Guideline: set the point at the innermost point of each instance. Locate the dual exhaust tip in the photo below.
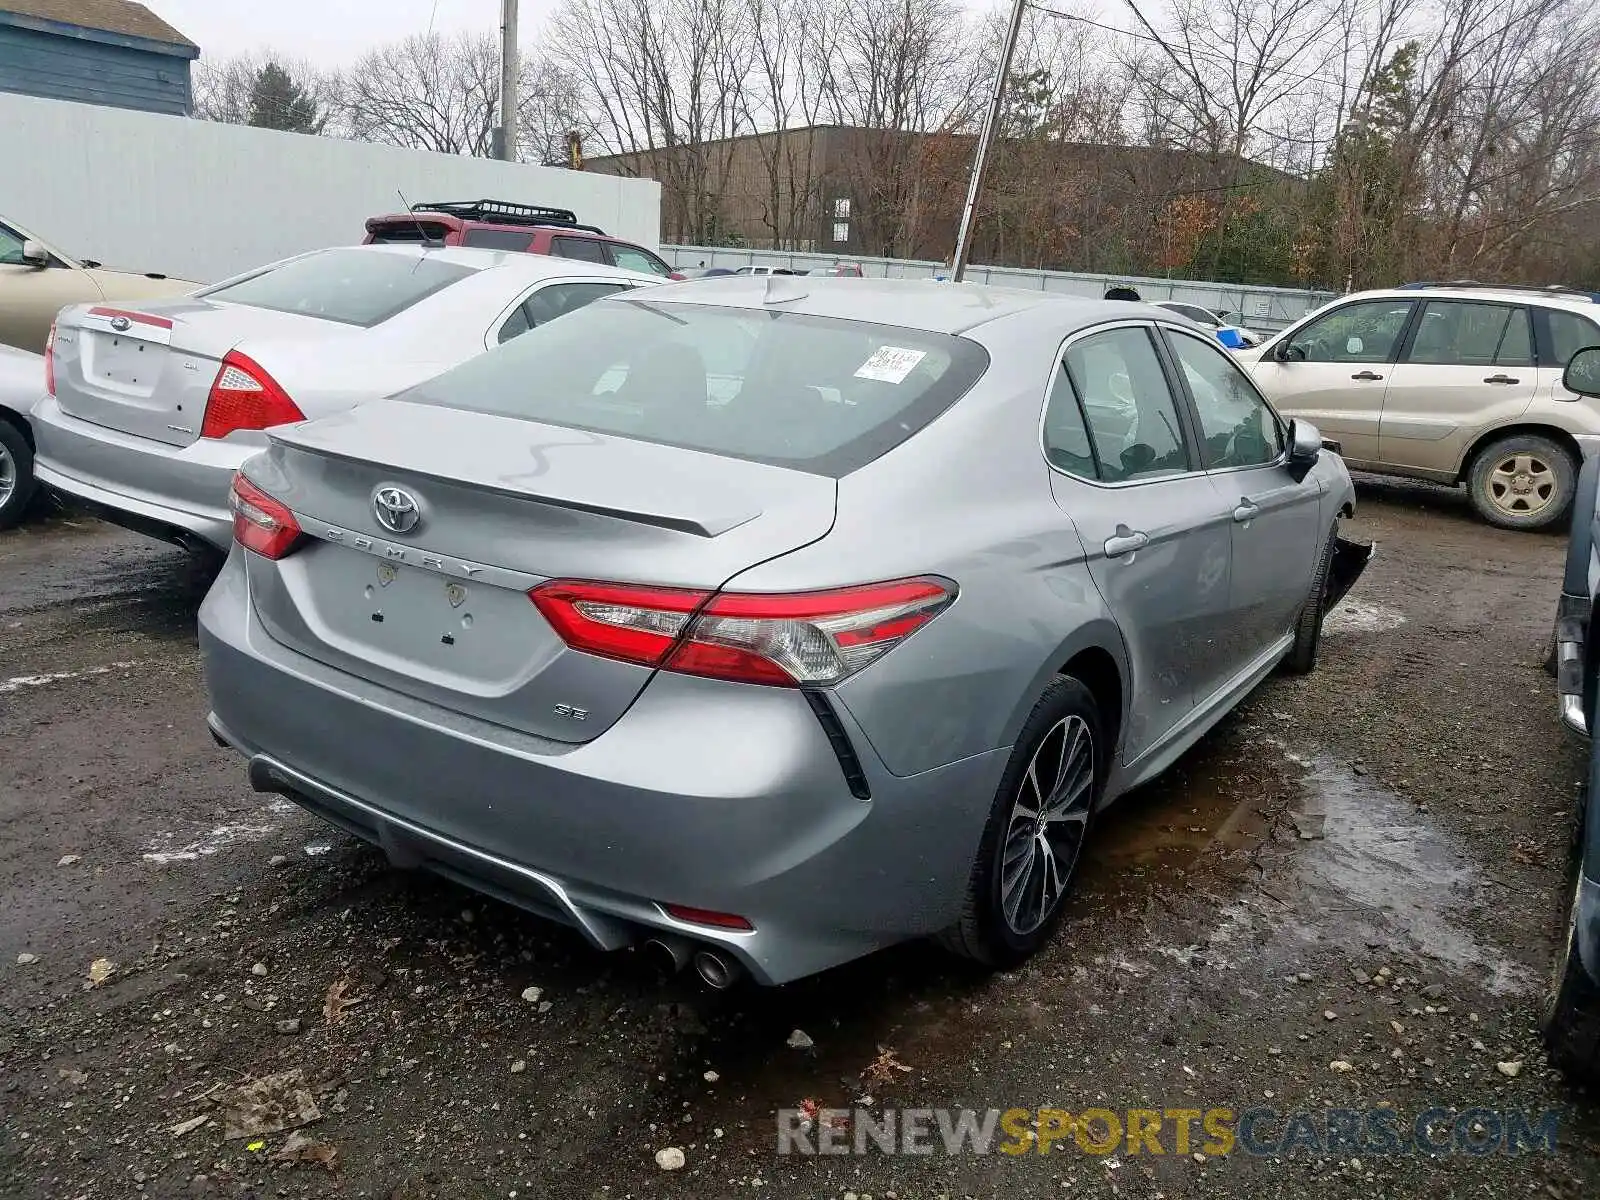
(716, 968)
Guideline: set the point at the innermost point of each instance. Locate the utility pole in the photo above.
(506, 142)
(991, 126)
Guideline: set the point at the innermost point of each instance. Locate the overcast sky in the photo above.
(328, 32)
(332, 32)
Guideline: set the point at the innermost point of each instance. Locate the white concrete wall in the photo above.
(202, 201)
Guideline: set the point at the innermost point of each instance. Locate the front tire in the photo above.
(1302, 656)
(1525, 481)
(16, 474)
(1039, 822)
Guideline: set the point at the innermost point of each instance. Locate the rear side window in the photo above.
(353, 287)
(1132, 418)
(496, 239)
(817, 394)
(1570, 333)
(582, 249)
(548, 303)
(1467, 333)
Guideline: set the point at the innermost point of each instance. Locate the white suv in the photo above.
(1456, 383)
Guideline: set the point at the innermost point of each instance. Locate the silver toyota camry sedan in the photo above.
(775, 620)
(149, 411)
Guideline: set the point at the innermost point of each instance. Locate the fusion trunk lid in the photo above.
(147, 369)
(424, 529)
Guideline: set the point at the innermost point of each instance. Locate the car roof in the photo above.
(1576, 301)
(517, 263)
(926, 304)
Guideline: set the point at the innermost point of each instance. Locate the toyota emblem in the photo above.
(397, 509)
(121, 324)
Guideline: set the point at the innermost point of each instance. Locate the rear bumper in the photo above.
(703, 794)
(175, 493)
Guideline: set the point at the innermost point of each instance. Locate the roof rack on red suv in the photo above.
(505, 212)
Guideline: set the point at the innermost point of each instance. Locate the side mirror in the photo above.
(1583, 372)
(1305, 443)
(1286, 351)
(34, 254)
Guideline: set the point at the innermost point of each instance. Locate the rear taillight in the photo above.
(260, 522)
(50, 361)
(244, 396)
(785, 640)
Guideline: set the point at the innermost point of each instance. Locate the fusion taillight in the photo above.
(244, 396)
(261, 522)
(50, 360)
(803, 639)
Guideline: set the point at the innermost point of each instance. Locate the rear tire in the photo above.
(1302, 656)
(1525, 481)
(16, 474)
(1026, 866)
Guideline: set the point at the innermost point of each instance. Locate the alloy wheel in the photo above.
(1045, 831)
(8, 474)
(1522, 484)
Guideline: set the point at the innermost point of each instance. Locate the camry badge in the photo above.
(396, 509)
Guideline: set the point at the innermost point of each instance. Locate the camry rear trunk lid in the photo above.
(147, 369)
(425, 528)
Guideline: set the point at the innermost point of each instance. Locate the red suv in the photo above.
(502, 225)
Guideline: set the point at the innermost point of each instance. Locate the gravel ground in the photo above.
(1344, 898)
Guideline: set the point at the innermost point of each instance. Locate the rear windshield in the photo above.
(818, 394)
(353, 287)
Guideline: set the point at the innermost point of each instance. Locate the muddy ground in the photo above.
(1361, 868)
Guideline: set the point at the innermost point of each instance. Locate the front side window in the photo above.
(817, 394)
(1467, 333)
(1132, 419)
(353, 287)
(631, 259)
(1237, 429)
(1364, 332)
(1570, 333)
(10, 248)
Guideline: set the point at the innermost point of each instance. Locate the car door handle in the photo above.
(1366, 375)
(1501, 379)
(1126, 541)
(1246, 511)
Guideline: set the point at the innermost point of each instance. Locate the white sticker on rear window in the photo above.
(890, 364)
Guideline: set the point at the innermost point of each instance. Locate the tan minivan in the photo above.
(37, 281)
(1455, 383)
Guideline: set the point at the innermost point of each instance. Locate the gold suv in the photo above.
(37, 281)
(1455, 383)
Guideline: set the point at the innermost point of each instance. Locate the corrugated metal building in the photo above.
(112, 52)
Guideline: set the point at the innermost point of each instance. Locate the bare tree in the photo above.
(668, 76)
(428, 92)
(226, 89)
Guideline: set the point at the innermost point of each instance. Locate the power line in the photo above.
(1198, 53)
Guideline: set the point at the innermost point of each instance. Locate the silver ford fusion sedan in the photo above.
(773, 620)
(149, 411)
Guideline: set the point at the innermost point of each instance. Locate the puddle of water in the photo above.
(1357, 616)
(1377, 861)
(168, 849)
